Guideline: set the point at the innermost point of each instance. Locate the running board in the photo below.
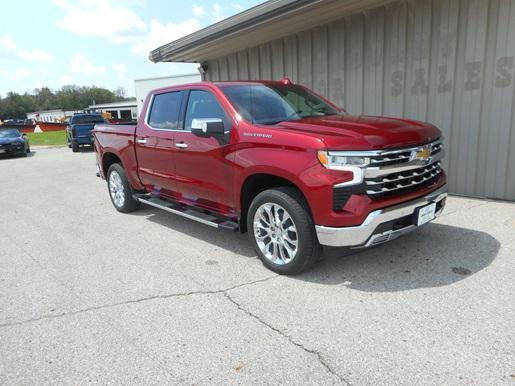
(204, 218)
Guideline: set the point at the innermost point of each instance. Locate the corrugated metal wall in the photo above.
(448, 62)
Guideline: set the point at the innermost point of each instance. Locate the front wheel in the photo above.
(75, 147)
(120, 190)
(282, 231)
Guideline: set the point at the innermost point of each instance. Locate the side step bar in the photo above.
(204, 218)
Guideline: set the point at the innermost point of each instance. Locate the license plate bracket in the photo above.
(425, 214)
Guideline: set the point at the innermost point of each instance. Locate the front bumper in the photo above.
(381, 225)
(11, 149)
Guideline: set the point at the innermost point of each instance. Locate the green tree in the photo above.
(66, 98)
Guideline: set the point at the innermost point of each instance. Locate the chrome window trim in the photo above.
(151, 102)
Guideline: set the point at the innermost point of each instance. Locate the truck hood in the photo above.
(362, 132)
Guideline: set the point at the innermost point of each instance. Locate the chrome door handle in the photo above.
(181, 145)
(141, 140)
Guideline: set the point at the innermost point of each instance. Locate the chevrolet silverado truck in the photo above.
(278, 161)
(78, 131)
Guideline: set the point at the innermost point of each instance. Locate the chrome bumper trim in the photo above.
(363, 235)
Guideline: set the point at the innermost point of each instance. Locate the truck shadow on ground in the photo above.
(433, 256)
(86, 149)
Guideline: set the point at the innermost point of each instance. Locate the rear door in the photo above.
(154, 142)
(202, 170)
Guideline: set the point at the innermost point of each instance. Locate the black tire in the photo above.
(68, 142)
(129, 203)
(308, 248)
(75, 147)
(28, 150)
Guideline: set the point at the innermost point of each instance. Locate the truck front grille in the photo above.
(394, 172)
(397, 172)
(402, 156)
(402, 182)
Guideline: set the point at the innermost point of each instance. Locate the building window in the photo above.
(114, 114)
(125, 115)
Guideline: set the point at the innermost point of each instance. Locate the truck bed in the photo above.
(120, 139)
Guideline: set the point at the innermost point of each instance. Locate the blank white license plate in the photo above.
(426, 214)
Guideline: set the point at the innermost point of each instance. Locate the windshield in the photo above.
(82, 119)
(269, 104)
(9, 133)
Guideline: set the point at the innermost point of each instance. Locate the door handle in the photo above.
(181, 145)
(141, 140)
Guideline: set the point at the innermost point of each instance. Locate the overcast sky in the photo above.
(96, 42)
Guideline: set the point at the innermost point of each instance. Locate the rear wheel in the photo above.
(282, 231)
(75, 147)
(120, 190)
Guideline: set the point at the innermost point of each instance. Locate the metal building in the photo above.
(448, 62)
(143, 86)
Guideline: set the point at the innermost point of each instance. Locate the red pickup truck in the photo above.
(276, 160)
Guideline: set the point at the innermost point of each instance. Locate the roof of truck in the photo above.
(284, 81)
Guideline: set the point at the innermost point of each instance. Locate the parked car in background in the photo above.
(276, 160)
(78, 131)
(16, 122)
(13, 142)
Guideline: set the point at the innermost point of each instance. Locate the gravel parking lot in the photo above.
(91, 295)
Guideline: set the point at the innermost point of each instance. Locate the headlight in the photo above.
(345, 161)
(341, 160)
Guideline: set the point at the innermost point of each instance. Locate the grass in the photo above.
(49, 138)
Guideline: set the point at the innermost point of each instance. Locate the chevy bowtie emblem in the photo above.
(421, 154)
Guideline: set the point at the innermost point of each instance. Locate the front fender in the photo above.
(301, 168)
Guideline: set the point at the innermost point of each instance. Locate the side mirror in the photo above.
(24, 135)
(213, 127)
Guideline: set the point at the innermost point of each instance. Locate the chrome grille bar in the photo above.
(395, 171)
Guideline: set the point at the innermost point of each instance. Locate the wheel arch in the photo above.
(109, 158)
(259, 182)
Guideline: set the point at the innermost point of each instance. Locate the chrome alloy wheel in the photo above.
(116, 189)
(275, 233)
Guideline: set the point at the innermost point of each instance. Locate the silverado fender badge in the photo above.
(259, 135)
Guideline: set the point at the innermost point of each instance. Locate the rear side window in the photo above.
(84, 119)
(203, 105)
(164, 112)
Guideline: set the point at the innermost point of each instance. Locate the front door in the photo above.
(155, 142)
(202, 173)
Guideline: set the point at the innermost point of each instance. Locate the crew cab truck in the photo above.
(80, 126)
(274, 159)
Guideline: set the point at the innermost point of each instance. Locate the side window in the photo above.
(203, 105)
(164, 112)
